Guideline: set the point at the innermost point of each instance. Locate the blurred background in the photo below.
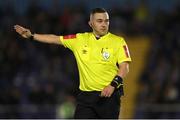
(39, 80)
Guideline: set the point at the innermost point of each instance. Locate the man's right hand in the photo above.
(26, 33)
(45, 38)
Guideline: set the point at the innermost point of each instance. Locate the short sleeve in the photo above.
(123, 53)
(69, 41)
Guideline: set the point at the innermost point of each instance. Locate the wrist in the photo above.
(114, 84)
(31, 37)
(117, 81)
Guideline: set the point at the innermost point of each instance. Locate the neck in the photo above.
(98, 36)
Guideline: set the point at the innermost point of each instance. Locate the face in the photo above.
(99, 22)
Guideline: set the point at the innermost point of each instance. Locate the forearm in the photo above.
(123, 69)
(117, 82)
(47, 38)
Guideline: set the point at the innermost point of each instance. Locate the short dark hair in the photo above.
(98, 10)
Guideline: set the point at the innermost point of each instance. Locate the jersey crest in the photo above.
(106, 55)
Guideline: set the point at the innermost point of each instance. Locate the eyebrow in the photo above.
(102, 19)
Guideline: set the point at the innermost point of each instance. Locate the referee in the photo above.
(103, 61)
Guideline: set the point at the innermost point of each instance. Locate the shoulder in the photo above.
(85, 34)
(117, 38)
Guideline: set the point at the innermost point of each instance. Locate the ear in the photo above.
(90, 24)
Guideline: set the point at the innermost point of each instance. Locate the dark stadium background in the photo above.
(38, 80)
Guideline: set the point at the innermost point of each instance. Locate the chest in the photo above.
(103, 51)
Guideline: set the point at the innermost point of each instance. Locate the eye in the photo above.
(99, 20)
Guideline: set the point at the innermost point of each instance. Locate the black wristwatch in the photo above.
(31, 37)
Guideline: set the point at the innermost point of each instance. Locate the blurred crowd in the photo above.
(159, 92)
(39, 80)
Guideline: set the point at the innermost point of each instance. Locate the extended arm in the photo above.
(46, 38)
(122, 72)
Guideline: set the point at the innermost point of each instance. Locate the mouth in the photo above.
(103, 29)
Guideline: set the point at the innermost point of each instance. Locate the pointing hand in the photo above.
(25, 33)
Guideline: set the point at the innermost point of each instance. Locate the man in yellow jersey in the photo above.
(103, 61)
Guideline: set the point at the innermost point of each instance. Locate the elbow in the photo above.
(127, 68)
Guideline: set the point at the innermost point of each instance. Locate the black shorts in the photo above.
(92, 105)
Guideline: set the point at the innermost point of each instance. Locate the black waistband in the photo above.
(93, 92)
(90, 92)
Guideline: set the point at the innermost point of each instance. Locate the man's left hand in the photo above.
(107, 91)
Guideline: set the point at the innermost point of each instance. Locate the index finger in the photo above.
(18, 27)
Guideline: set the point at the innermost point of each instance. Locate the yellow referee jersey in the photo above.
(96, 59)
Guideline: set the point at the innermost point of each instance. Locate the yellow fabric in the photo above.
(96, 59)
